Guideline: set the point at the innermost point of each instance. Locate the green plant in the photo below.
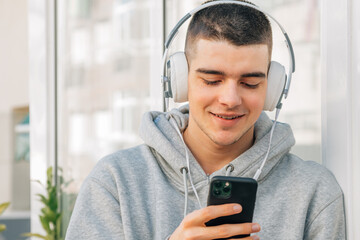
(50, 217)
(3, 206)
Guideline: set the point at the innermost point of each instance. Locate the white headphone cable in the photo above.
(258, 172)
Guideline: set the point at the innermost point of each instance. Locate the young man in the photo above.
(139, 193)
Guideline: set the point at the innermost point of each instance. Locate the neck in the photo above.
(212, 156)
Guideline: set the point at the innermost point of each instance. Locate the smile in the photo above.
(227, 117)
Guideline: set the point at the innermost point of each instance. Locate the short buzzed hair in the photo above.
(234, 23)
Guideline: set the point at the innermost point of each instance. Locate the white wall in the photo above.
(13, 80)
(340, 34)
(13, 54)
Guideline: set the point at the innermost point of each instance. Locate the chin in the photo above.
(225, 141)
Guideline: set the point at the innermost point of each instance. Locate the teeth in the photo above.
(227, 118)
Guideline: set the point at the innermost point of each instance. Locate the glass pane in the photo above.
(302, 108)
(106, 52)
(175, 10)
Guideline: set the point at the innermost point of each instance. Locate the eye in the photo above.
(212, 82)
(251, 86)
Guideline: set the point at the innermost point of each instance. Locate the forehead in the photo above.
(192, 43)
(222, 54)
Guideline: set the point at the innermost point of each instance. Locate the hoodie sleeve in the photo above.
(96, 214)
(329, 223)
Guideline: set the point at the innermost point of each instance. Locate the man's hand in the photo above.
(193, 225)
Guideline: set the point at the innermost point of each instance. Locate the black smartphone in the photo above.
(233, 190)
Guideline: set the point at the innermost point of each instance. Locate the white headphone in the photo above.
(175, 70)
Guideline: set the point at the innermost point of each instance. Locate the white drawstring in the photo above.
(173, 122)
(184, 172)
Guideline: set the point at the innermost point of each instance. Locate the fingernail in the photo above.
(255, 237)
(255, 227)
(237, 208)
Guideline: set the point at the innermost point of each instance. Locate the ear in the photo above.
(275, 87)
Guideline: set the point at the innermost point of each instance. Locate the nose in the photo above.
(229, 95)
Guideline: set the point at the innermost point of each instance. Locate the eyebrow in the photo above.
(208, 71)
(216, 72)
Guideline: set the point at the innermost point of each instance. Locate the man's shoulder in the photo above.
(123, 162)
(311, 174)
(124, 155)
(307, 167)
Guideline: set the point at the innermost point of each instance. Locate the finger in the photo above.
(200, 217)
(254, 237)
(229, 230)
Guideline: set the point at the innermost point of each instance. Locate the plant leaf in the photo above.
(58, 227)
(45, 224)
(49, 174)
(4, 206)
(66, 184)
(2, 227)
(53, 203)
(50, 217)
(34, 235)
(49, 214)
(38, 181)
(43, 199)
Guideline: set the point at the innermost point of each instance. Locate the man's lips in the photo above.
(227, 116)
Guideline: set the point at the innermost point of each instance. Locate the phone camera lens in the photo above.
(217, 192)
(226, 189)
(218, 184)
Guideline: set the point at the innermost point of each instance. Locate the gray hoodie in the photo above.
(138, 193)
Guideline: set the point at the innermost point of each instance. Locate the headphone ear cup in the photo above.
(275, 86)
(178, 72)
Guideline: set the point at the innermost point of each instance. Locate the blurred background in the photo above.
(77, 75)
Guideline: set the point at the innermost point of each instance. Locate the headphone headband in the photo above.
(174, 31)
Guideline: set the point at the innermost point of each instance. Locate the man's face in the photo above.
(227, 90)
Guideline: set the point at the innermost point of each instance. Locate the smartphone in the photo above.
(233, 190)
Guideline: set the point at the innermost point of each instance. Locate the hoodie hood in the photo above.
(157, 132)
